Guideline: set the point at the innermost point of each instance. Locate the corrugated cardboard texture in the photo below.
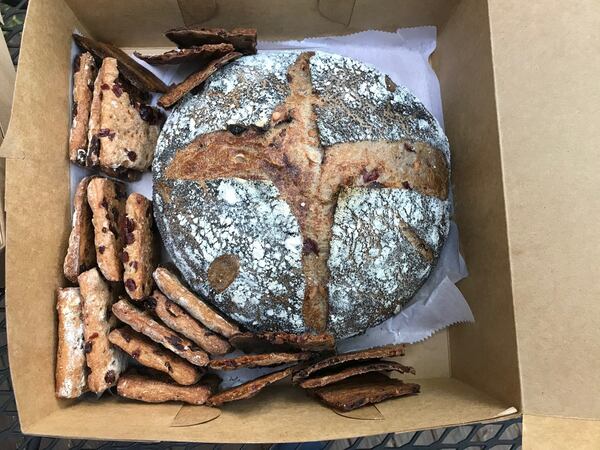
(549, 110)
(551, 433)
(484, 353)
(278, 414)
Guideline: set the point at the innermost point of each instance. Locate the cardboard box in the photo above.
(524, 164)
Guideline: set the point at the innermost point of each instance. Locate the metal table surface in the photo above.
(498, 436)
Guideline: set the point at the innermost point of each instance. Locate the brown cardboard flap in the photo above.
(278, 414)
(483, 353)
(368, 412)
(42, 85)
(548, 101)
(553, 433)
(35, 242)
(190, 415)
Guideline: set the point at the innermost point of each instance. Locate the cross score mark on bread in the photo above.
(310, 177)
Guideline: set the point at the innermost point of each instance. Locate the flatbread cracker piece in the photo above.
(387, 351)
(361, 390)
(274, 341)
(200, 55)
(249, 389)
(336, 374)
(260, 360)
(176, 93)
(138, 75)
(242, 39)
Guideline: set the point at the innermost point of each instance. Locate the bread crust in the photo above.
(138, 254)
(81, 252)
(107, 202)
(175, 317)
(141, 322)
(154, 356)
(106, 362)
(71, 369)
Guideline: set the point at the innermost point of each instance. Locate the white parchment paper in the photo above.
(404, 56)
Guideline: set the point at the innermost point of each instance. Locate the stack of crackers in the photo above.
(126, 322)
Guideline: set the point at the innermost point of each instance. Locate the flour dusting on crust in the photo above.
(375, 266)
(375, 270)
(249, 220)
(244, 92)
(360, 104)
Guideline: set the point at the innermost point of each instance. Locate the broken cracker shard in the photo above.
(362, 390)
(139, 76)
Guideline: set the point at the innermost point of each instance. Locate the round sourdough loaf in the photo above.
(302, 191)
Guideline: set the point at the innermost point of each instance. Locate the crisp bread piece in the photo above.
(176, 93)
(249, 389)
(151, 354)
(138, 255)
(81, 253)
(178, 320)
(199, 55)
(139, 76)
(84, 74)
(243, 39)
(106, 362)
(272, 341)
(336, 374)
(123, 130)
(143, 323)
(145, 389)
(106, 200)
(175, 291)
(361, 390)
(387, 351)
(70, 356)
(258, 360)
